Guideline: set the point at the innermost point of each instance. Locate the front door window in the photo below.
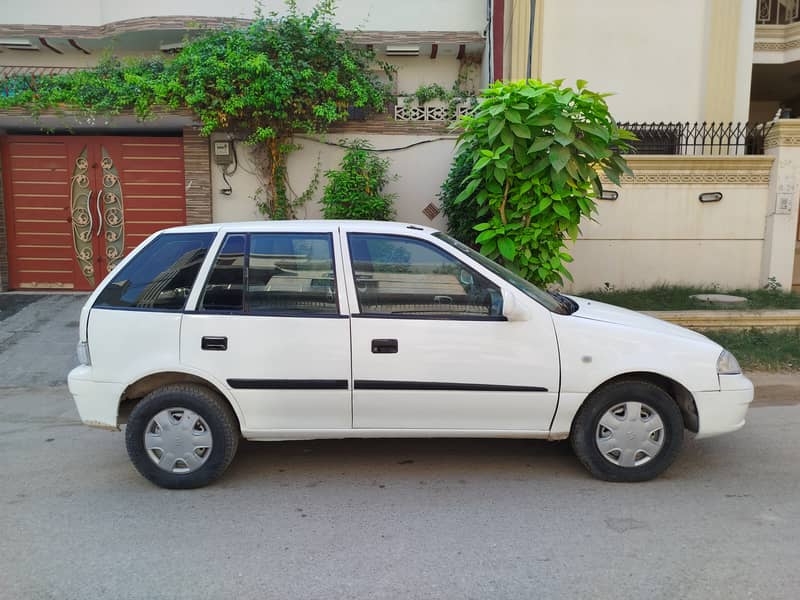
(409, 277)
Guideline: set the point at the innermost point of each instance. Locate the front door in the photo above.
(269, 326)
(77, 204)
(431, 349)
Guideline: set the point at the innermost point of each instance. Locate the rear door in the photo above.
(270, 325)
(431, 349)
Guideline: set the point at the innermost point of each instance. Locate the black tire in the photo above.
(216, 413)
(586, 423)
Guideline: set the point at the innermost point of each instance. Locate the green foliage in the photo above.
(277, 76)
(464, 215)
(355, 191)
(434, 91)
(535, 150)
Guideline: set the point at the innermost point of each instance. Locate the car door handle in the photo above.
(214, 343)
(384, 346)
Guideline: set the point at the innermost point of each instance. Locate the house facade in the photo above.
(78, 193)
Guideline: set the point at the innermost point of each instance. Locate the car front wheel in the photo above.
(182, 436)
(627, 431)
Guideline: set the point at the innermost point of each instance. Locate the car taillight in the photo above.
(83, 353)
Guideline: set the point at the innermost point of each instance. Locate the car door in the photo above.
(268, 324)
(431, 349)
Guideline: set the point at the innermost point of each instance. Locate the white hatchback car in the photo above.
(326, 329)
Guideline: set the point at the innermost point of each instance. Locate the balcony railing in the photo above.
(777, 12)
(702, 139)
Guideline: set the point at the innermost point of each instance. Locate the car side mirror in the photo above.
(513, 310)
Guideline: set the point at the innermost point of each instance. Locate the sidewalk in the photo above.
(775, 389)
(730, 319)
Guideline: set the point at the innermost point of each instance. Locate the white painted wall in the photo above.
(662, 234)
(420, 171)
(409, 15)
(651, 55)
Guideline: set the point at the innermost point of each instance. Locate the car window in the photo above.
(291, 273)
(160, 276)
(224, 288)
(400, 276)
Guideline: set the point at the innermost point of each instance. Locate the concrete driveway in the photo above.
(378, 518)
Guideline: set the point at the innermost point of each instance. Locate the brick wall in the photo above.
(3, 238)
(197, 171)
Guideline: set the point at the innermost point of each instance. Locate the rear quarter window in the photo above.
(159, 277)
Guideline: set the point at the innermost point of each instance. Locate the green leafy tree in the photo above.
(535, 151)
(355, 190)
(278, 76)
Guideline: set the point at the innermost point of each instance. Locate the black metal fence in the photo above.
(727, 139)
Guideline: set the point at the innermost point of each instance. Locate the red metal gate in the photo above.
(75, 205)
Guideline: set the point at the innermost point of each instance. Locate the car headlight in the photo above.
(83, 353)
(727, 364)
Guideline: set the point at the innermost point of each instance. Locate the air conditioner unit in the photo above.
(402, 50)
(17, 44)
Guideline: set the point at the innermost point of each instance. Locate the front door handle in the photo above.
(214, 343)
(384, 346)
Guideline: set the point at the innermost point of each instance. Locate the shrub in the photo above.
(535, 150)
(355, 190)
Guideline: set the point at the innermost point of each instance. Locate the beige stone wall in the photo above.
(677, 60)
(658, 231)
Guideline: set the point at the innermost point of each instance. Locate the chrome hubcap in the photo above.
(178, 440)
(630, 434)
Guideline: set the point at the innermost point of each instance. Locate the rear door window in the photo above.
(290, 274)
(159, 277)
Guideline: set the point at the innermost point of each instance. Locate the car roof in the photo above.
(308, 225)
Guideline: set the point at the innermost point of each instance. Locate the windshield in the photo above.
(547, 300)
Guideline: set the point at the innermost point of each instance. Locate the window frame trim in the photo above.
(245, 312)
(409, 316)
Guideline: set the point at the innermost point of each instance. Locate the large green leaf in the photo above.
(562, 123)
(495, 127)
(507, 248)
(512, 116)
(594, 129)
(540, 143)
(559, 156)
(521, 131)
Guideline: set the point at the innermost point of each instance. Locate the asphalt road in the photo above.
(379, 518)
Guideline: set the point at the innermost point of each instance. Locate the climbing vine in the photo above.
(280, 75)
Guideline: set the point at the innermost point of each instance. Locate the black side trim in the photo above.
(408, 316)
(367, 384)
(288, 384)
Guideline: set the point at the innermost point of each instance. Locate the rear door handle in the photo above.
(214, 343)
(384, 346)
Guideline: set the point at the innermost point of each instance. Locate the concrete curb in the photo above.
(730, 319)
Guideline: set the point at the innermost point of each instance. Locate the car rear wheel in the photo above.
(628, 431)
(182, 436)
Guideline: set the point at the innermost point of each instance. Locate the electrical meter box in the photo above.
(223, 154)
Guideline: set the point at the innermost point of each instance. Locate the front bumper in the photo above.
(724, 411)
(97, 402)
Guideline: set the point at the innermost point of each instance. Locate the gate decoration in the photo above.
(111, 212)
(82, 225)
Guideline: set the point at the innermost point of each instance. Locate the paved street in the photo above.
(381, 518)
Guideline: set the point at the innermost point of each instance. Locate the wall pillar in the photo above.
(780, 235)
(197, 171)
(3, 238)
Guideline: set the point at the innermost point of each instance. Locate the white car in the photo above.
(334, 329)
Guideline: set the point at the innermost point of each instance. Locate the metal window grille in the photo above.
(778, 12)
(729, 139)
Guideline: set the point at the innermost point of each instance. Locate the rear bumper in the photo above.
(97, 402)
(724, 411)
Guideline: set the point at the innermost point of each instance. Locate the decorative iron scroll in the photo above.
(82, 225)
(111, 211)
